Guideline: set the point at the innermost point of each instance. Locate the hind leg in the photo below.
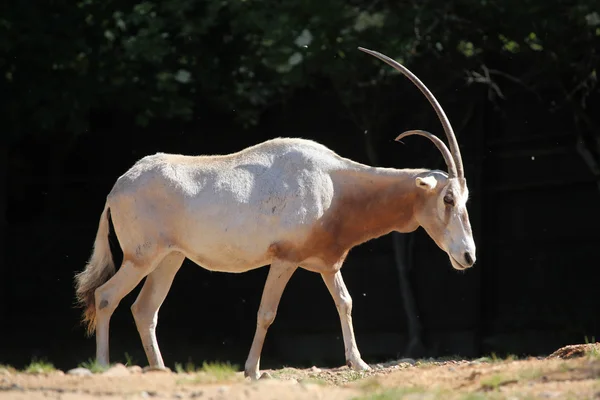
(146, 306)
(110, 294)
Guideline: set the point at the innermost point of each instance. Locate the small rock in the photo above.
(550, 394)
(178, 395)
(135, 369)
(148, 394)
(117, 370)
(79, 372)
(315, 369)
(14, 386)
(222, 389)
(266, 375)
(196, 394)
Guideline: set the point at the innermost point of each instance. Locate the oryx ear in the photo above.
(426, 182)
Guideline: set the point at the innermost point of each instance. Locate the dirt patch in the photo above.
(571, 372)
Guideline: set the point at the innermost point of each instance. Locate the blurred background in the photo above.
(90, 86)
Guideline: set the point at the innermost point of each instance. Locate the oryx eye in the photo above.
(449, 200)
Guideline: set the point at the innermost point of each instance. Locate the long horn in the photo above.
(438, 143)
(454, 150)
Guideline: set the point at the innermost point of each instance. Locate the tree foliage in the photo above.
(181, 58)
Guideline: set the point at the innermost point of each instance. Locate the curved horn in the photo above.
(454, 150)
(439, 144)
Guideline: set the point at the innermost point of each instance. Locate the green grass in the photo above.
(493, 358)
(351, 375)
(594, 352)
(493, 382)
(591, 340)
(425, 363)
(129, 361)
(474, 396)
(39, 367)
(565, 367)
(370, 384)
(594, 348)
(391, 394)
(530, 374)
(95, 368)
(285, 372)
(209, 372)
(221, 371)
(421, 393)
(93, 365)
(314, 380)
(189, 368)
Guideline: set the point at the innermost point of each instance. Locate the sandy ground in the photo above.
(570, 373)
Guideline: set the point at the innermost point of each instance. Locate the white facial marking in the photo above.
(457, 239)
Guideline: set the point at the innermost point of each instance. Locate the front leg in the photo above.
(343, 302)
(279, 274)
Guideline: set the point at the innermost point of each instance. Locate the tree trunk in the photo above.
(589, 150)
(403, 246)
(588, 139)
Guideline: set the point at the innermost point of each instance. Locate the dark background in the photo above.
(90, 88)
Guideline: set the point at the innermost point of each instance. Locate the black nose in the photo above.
(468, 258)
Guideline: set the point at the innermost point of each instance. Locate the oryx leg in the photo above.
(110, 294)
(280, 273)
(146, 306)
(343, 302)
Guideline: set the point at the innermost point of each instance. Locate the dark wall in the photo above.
(542, 233)
(535, 221)
(3, 229)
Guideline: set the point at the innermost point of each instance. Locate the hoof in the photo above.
(155, 369)
(358, 365)
(253, 375)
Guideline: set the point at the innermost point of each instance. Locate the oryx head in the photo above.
(442, 211)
